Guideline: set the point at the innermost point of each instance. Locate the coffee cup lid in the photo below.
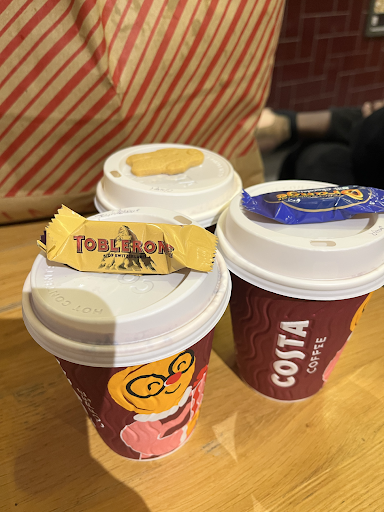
(115, 320)
(325, 261)
(202, 192)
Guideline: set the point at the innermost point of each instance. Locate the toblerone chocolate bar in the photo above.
(126, 247)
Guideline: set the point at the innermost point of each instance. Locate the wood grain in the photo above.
(247, 453)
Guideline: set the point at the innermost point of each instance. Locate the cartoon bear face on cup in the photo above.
(153, 387)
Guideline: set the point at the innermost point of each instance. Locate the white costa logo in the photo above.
(284, 367)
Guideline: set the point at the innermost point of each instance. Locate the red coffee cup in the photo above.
(134, 348)
(298, 292)
(286, 348)
(148, 410)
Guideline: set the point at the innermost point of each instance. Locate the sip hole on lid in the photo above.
(323, 243)
(183, 220)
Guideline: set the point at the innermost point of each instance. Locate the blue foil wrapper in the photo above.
(316, 205)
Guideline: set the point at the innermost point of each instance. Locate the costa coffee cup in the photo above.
(298, 291)
(135, 349)
(201, 193)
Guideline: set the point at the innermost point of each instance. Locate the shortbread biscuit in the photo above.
(165, 161)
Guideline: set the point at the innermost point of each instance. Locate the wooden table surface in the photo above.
(248, 453)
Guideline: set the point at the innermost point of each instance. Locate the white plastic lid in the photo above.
(202, 192)
(327, 261)
(115, 320)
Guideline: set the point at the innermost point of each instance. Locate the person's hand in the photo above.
(272, 130)
(370, 106)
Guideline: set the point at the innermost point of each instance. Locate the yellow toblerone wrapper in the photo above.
(126, 247)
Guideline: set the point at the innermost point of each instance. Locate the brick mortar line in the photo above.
(324, 14)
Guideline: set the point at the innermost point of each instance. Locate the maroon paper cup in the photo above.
(298, 291)
(135, 349)
(286, 348)
(145, 411)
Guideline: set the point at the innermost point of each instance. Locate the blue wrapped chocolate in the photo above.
(316, 204)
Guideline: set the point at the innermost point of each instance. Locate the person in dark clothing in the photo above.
(344, 146)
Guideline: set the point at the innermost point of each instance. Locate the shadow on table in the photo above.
(47, 436)
(57, 472)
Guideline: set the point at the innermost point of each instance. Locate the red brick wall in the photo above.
(323, 57)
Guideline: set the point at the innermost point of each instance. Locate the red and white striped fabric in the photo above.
(81, 79)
